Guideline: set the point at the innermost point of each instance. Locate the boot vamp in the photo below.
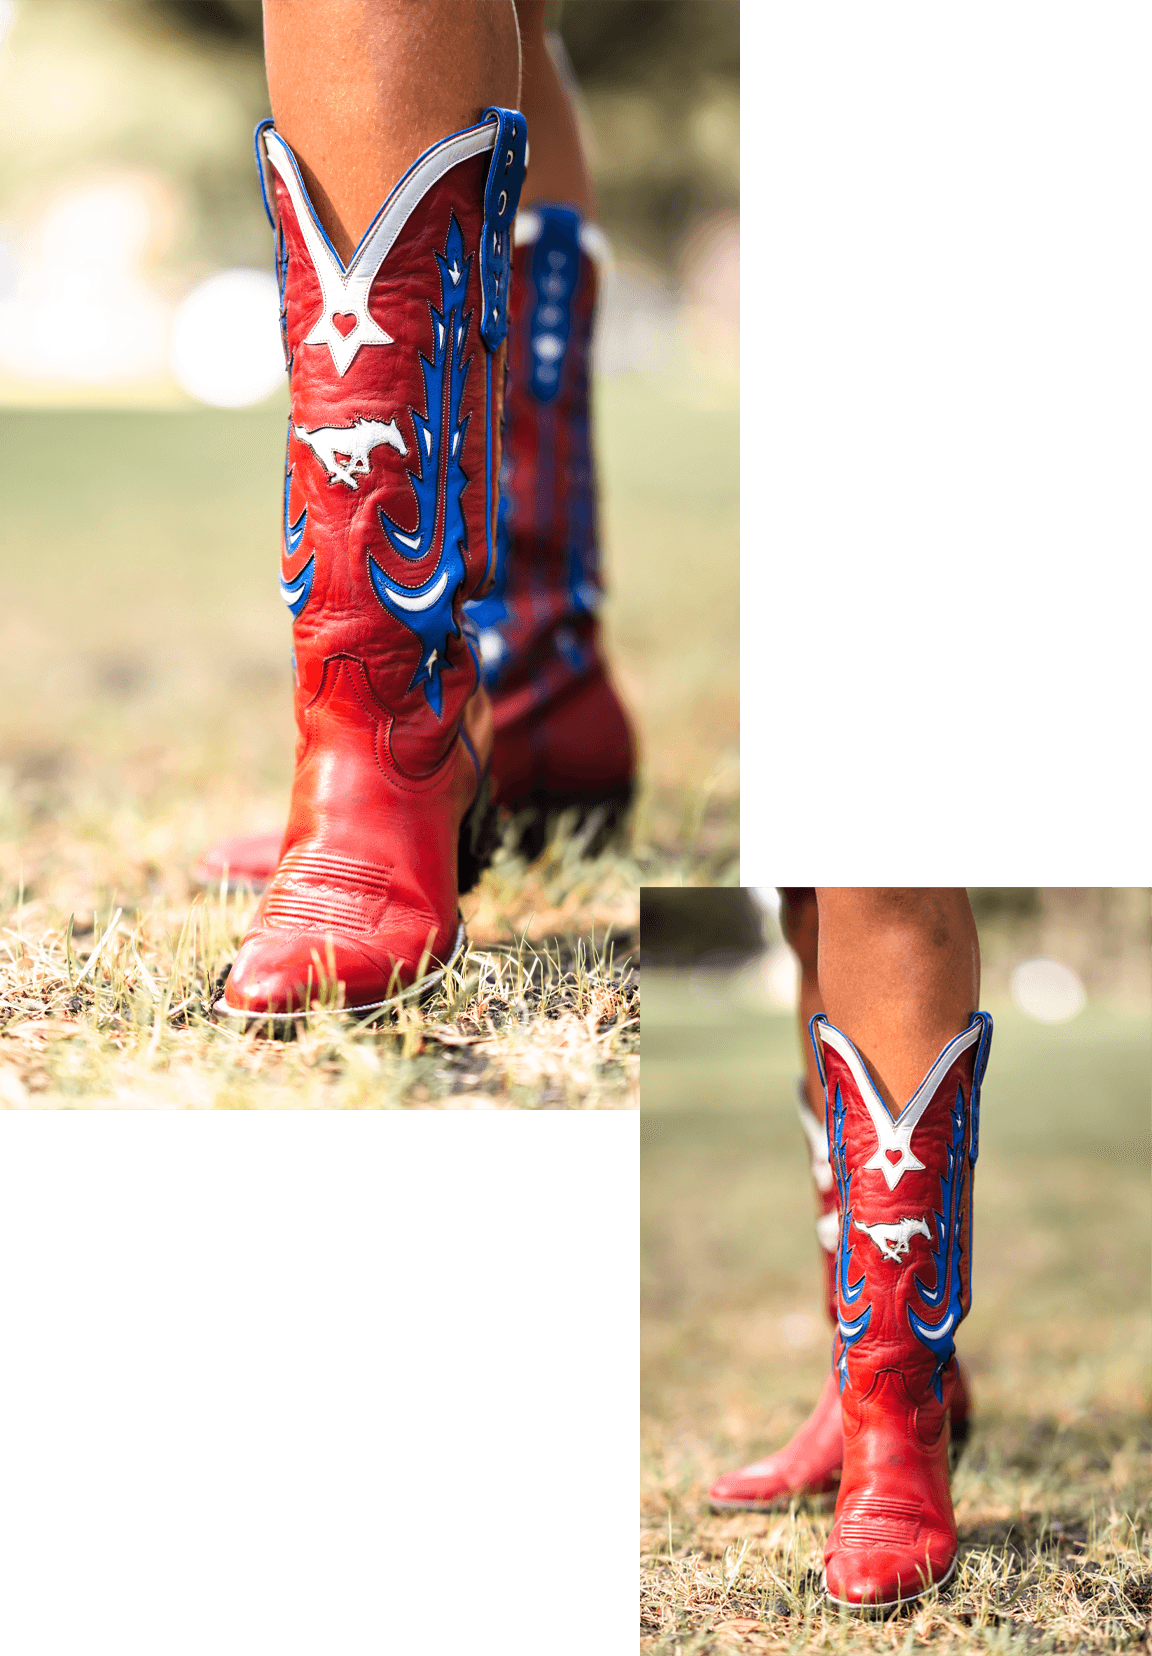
(886, 1554)
(894, 1531)
(365, 890)
(290, 971)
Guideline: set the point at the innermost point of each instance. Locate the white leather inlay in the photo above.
(896, 1135)
(594, 244)
(345, 288)
(817, 1136)
(406, 601)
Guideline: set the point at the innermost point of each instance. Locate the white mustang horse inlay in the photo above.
(893, 1240)
(355, 442)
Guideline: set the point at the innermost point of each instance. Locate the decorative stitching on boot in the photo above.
(318, 891)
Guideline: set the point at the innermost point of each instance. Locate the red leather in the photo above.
(809, 1464)
(579, 745)
(561, 729)
(904, 1258)
(365, 887)
(242, 859)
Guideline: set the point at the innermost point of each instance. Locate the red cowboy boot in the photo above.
(396, 366)
(903, 1284)
(809, 1464)
(562, 738)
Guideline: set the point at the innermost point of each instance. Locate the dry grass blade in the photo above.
(517, 1023)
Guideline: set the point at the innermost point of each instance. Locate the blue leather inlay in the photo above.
(428, 610)
(555, 273)
(501, 199)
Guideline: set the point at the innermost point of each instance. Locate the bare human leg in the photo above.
(899, 973)
(360, 88)
(558, 169)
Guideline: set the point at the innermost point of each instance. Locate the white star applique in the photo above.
(895, 1136)
(345, 289)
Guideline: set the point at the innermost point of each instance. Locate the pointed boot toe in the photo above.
(280, 973)
(883, 1553)
(770, 1483)
(809, 1464)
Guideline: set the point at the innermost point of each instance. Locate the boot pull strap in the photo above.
(501, 199)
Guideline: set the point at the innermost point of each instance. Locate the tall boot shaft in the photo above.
(396, 370)
(904, 1186)
(561, 731)
(827, 1217)
(903, 1268)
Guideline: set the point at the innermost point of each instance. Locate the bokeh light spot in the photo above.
(226, 348)
(1048, 990)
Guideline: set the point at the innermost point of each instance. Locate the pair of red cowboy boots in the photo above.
(896, 1225)
(446, 647)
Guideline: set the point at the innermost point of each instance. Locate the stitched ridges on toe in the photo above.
(319, 868)
(316, 891)
(878, 1522)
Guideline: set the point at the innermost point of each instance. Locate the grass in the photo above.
(128, 1021)
(1053, 1492)
(145, 710)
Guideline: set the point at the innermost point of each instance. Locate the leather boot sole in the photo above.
(871, 1606)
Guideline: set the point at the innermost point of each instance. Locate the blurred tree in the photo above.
(661, 82)
(679, 925)
(651, 42)
(233, 20)
(174, 87)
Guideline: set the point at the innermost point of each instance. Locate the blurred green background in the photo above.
(175, 87)
(735, 1341)
(144, 681)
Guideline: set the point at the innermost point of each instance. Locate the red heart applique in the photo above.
(893, 1156)
(344, 322)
